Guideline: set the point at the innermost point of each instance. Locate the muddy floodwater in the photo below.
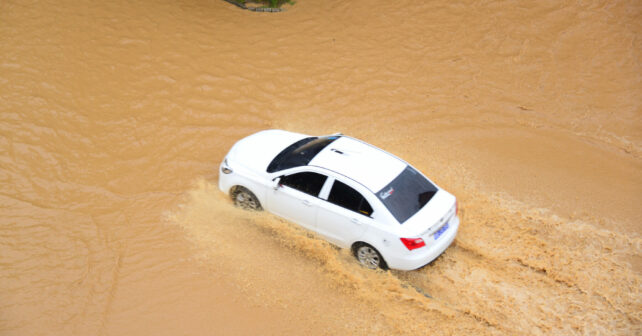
(114, 116)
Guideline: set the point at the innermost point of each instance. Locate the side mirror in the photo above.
(276, 183)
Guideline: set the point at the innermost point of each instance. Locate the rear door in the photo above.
(345, 216)
(296, 198)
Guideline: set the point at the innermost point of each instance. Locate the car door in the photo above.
(296, 197)
(345, 216)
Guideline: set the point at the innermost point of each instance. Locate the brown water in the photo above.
(115, 115)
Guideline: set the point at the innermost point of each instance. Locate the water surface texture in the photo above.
(114, 116)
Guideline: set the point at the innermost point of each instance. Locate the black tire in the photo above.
(245, 199)
(368, 256)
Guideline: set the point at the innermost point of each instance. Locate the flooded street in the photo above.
(114, 117)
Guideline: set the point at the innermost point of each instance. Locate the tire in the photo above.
(369, 257)
(245, 199)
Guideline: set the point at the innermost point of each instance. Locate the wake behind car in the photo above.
(353, 194)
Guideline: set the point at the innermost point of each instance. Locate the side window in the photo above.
(307, 182)
(344, 196)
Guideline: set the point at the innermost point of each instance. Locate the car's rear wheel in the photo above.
(245, 199)
(369, 257)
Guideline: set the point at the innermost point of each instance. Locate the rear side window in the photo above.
(307, 182)
(344, 196)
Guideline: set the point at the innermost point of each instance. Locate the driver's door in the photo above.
(296, 197)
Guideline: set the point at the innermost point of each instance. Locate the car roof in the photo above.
(362, 162)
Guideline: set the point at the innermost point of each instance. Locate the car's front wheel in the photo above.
(369, 257)
(245, 199)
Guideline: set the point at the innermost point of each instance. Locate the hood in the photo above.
(256, 151)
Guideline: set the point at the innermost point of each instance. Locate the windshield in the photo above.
(300, 153)
(407, 194)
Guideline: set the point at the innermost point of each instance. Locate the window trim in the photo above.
(379, 212)
(325, 191)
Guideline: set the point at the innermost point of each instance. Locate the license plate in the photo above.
(441, 231)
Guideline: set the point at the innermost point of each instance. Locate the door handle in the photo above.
(307, 203)
(355, 221)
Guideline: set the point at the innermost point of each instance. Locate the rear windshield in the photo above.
(300, 153)
(407, 194)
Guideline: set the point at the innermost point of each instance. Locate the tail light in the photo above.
(413, 243)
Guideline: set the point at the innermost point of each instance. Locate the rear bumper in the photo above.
(425, 255)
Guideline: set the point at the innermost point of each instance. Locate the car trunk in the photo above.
(438, 211)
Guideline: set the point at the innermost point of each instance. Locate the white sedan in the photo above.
(351, 193)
